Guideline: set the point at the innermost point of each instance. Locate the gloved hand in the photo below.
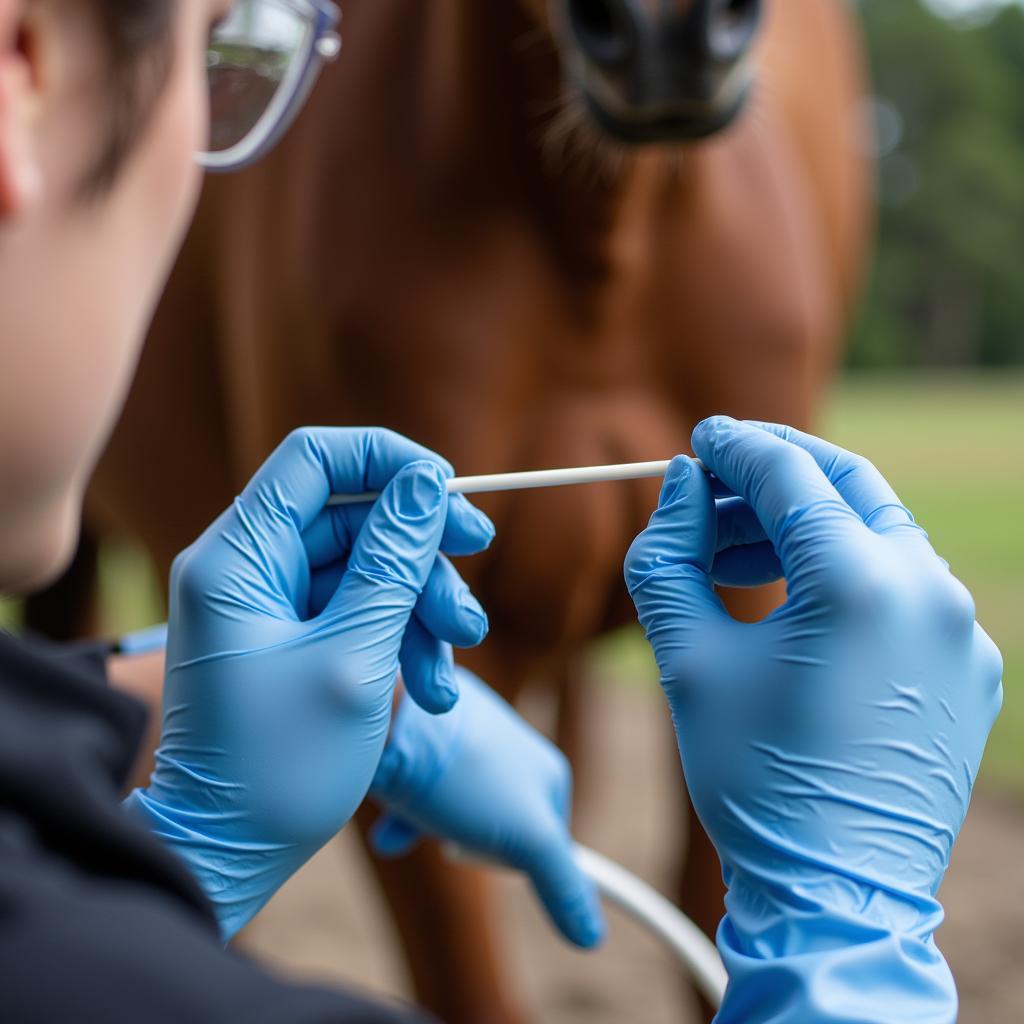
(829, 750)
(287, 625)
(482, 778)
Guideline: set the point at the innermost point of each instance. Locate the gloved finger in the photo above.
(392, 557)
(428, 669)
(744, 555)
(748, 565)
(448, 609)
(668, 566)
(291, 488)
(801, 512)
(391, 836)
(567, 894)
(738, 524)
(330, 536)
(861, 485)
(718, 488)
(322, 585)
(467, 530)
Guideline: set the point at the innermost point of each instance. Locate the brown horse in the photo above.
(527, 241)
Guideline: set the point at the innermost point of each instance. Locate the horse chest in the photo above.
(474, 342)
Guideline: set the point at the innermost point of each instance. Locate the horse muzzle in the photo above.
(662, 70)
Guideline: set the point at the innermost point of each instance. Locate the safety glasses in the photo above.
(262, 60)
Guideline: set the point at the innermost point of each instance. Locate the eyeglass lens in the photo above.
(251, 54)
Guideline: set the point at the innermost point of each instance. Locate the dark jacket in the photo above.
(98, 922)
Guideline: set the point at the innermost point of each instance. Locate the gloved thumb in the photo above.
(668, 567)
(393, 552)
(568, 895)
(393, 837)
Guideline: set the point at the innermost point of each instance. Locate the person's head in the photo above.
(103, 107)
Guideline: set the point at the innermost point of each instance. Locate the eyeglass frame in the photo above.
(323, 47)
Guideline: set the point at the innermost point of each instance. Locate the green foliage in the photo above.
(948, 283)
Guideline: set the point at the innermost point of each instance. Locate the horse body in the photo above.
(416, 254)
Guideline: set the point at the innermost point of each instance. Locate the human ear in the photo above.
(20, 179)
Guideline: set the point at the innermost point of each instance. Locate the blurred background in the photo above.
(933, 387)
(933, 392)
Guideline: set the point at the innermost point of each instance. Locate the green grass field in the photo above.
(954, 449)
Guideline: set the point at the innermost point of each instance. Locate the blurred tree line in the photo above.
(948, 282)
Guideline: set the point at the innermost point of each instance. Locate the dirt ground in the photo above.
(328, 923)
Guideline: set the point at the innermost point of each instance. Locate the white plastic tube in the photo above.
(534, 478)
(643, 903)
(646, 905)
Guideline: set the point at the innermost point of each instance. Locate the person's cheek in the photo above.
(182, 131)
(74, 369)
(145, 219)
(161, 191)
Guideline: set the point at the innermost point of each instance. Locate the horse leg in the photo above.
(446, 918)
(447, 914)
(572, 728)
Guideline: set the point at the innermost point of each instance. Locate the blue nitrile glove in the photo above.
(482, 778)
(278, 691)
(830, 750)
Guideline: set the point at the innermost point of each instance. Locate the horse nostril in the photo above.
(603, 29)
(730, 27)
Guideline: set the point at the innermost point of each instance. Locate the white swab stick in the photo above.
(535, 478)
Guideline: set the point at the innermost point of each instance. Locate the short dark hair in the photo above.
(138, 37)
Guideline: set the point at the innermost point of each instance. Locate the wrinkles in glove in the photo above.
(288, 623)
(830, 750)
(483, 779)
